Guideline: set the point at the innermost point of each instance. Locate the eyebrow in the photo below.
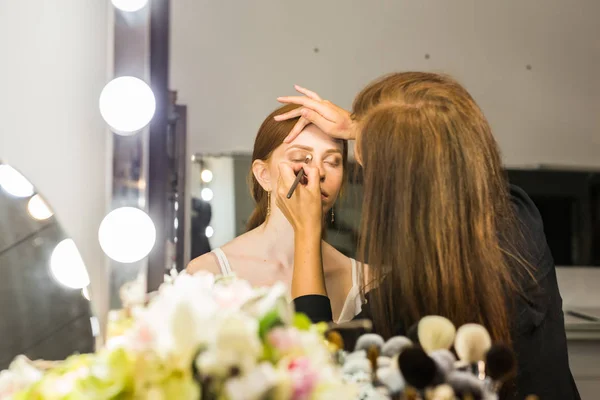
(307, 148)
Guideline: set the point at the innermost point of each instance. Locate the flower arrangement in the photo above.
(208, 338)
(198, 337)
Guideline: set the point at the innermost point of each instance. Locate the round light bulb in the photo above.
(209, 231)
(206, 175)
(127, 104)
(207, 194)
(38, 209)
(129, 5)
(67, 267)
(13, 183)
(127, 234)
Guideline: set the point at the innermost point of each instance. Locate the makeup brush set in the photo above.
(437, 362)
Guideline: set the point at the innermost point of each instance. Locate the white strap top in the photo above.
(352, 305)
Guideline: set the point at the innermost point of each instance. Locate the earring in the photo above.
(268, 203)
(332, 216)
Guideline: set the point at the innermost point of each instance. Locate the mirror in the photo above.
(221, 204)
(44, 306)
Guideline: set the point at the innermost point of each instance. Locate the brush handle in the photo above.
(299, 177)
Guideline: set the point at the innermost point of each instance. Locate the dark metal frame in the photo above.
(158, 171)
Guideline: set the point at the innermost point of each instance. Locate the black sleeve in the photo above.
(315, 306)
(539, 338)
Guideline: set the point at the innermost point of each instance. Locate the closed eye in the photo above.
(333, 161)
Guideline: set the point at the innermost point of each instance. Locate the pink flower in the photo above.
(232, 295)
(304, 378)
(284, 339)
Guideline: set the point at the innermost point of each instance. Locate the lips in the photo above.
(324, 195)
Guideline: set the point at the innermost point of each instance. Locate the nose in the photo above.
(322, 172)
(319, 165)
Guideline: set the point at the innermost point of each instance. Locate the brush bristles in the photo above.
(444, 361)
(368, 340)
(441, 392)
(435, 333)
(466, 385)
(395, 345)
(472, 343)
(413, 334)
(500, 363)
(418, 369)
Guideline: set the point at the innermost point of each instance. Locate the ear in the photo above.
(261, 172)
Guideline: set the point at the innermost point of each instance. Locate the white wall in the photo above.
(231, 59)
(53, 67)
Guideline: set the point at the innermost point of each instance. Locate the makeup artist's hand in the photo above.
(304, 212)
(304, 209)
(331, 119)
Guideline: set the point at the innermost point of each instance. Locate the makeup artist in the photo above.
(442, 230)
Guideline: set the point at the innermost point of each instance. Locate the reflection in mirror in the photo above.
(44, 303)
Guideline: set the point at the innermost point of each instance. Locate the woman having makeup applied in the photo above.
(444, 232)
(265, 254)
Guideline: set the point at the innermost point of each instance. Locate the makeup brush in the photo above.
(441, 392)
(413, 333)
(417, 368)
(335, 339)
(364, 324)
(391, 378)
(472, 343)
(301, 174)
(444, 361)
(384, 362)
(368, 340)
(373, 355)
(466, 385)
(395, 345)
(500, 365)
(362, 354)
(435, 333)
(355, 365)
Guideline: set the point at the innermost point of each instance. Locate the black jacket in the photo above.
(539, 339)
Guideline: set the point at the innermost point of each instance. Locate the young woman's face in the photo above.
(326, 155)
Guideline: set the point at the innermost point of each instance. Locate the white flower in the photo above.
(236, 345)
(267, 299)
(254, 385)
(133, 293)
(180, 318)
(19, 375)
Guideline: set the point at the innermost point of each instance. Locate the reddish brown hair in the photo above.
(271, 135)
(430, 223)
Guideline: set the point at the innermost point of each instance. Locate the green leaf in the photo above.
(302, 322)
(268, 322)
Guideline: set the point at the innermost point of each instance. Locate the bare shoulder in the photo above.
(206, 262)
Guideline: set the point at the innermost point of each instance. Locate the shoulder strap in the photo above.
(354, 272)
(223, 262)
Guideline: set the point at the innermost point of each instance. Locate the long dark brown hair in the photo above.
(271, 135)
(435, 199)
